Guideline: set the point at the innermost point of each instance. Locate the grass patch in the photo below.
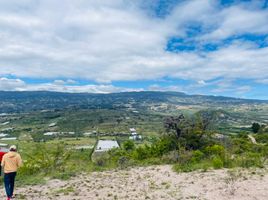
(65, 191)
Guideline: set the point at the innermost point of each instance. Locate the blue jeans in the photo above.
(9, 180)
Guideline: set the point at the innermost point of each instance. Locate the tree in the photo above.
(189, 132)
(205, 119)
(174, 123)
(119, 120)
(255, 127)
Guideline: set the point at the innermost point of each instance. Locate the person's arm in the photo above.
(19, 161)
(3, 161)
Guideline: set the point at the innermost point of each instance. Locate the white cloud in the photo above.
(59, 82)
(236, 90)
(10, 84)
(59, 86)
(201, 82)
(263, 81)
(238, 20)
(115, 40)
(71, 82)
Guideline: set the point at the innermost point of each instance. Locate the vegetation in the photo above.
(255, 127)
(177, 129)
(195, 147)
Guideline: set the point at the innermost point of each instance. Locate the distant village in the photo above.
(100, 147)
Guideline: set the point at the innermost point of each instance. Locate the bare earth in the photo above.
(156, 182)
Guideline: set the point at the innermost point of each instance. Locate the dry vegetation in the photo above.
(155, 182)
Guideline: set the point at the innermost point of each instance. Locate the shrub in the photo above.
(142, 153)
(163, 146)
(128, 145)
(184, 167)
(250, 159)
(46, 160)
(101, 161)
(216, 150)
(197, 156)
(123, 162)
(241, 145)
(262, 138)
(217, 163)
(170, 157)
(185, 157)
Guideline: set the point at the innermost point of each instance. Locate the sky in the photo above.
(209, 47)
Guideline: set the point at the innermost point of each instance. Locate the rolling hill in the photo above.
(34, 101)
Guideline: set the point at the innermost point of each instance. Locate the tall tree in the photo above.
(174, 123)
(255, 127)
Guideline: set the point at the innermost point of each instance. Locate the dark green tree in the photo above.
(255, 127)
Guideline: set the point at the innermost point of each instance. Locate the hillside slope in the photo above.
(156, 182)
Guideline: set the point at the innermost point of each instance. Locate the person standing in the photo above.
(11, 162)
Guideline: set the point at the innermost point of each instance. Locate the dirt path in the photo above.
(156, 182)
(252, 139)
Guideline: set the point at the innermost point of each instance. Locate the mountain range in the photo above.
(43, 100)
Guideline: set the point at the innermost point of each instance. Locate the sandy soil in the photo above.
(156, 182)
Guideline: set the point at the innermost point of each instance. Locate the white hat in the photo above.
(12, 147)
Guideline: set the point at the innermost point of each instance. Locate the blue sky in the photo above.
(210, 47)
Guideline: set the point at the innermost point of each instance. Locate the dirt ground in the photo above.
(155, 182)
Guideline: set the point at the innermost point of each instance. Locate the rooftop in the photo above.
(106, 145)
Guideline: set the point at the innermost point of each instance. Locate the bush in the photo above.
(46, 160)
(215, 150)
(128, 145)
(170, 157)
(241, 145)
(184, 167)
(197, 156)
(163, 146)
(185, 157)
(204, 165)
(217, 163)
(261, 138)
(101, 161)
(123, 162)
(142, 152)
(250, 159)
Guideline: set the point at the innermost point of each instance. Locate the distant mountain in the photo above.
(33, 101)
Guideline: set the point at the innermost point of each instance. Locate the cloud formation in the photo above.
(59, 86)
(121, 40)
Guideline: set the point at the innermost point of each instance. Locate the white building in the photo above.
(88, 134)
(132, 130)
(135, 137)
(3, 135)
(50, 133)
(106, 145)
(134, 134)
(52, 124)
(10, 138)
